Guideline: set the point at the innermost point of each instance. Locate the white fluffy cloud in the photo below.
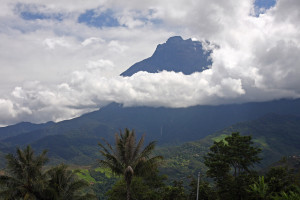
(54, 69)
(87, 90)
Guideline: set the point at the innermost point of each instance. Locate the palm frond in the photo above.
(129, 147)
(147, 150)
(146, 166)
(139, 146)
(128, 158)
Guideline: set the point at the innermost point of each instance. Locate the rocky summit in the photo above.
(178, 55)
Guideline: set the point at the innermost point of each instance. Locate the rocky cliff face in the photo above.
(177, 55)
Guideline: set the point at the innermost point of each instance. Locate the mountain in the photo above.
(165, 125)
(20, 128)
(177, 55)
(277, 135)
(290, 162)
(75, 140)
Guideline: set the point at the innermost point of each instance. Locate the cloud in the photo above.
(87, 90)
(6, 109)
(92, 40)
(58, 69)
(51, 43)
(285, 11)
(49, 51)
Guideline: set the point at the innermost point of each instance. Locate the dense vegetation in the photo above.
(128, 158)
(230, 164)
(25, 178)
(277, 135)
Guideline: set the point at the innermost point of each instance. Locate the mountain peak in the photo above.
(176, 54)
(174, 39)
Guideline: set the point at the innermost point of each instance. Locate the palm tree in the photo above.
(128, 158)
(65, 185)
(24, 178)
(260, 188)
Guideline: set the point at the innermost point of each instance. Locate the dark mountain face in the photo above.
(20, 128)
(177, 55)
(76, 140)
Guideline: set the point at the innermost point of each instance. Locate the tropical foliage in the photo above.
(63, 184)
(229, 163)
(259, 189)
(131, 172)
(25, 178)
(150, 187)
(128, 158)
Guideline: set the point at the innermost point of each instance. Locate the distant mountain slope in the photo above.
(290, 162)
(20, 128)
(277, 135)
(76, 140)
(177, 55)
(166, 125)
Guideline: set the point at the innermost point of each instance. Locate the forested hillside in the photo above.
(277, 135)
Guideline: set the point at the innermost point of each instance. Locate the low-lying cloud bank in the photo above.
(69, 68)
(87, 91)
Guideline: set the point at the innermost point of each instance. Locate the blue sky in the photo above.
(103, 18)
(60, 59)
(265, 3)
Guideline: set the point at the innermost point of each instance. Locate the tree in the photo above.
(278, 183)
(128, 158)
(260, 189)
(24, 178)
(280, 179)
(175, 192)
(229, 163)
(206, 192)
(65, 185)
(150, 187)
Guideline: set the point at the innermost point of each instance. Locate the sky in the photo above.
(60, 59)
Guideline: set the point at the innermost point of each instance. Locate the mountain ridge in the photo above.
(76, 140)
(178, 55)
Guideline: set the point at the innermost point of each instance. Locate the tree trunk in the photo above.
(128, 189)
